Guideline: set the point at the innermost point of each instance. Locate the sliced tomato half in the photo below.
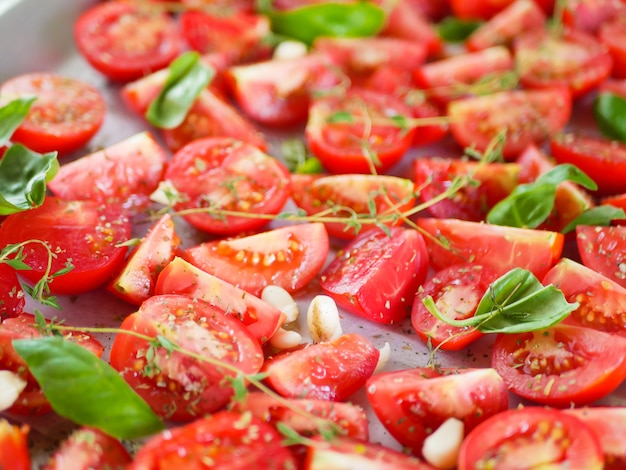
(603, 249)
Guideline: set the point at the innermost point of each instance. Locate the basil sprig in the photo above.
(85, 389)
(356, 19)
(514, 303)
(609, 111)
(12, 115)
(188, 76)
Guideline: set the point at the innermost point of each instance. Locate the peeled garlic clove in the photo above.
(441, 448)
(290, 50)
(323, 319)
(279, 298)
(11, 385)
(285, 339)
(383, 357)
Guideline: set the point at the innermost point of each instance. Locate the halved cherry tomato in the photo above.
(89, 448)
(226, 174)
(222, 441)
(613, 35)
(124, 41)
(526, 117)
(123, 174)
(498, 247)
(532, 437)
(377, 274)
(137, 280)
(65, 116)
(260, 318)
(603, 160)
(289, 257)
(12, 300)
(32, 400)
(573, 59)
(176, 385)
(83, 234)
(457, 291)
(368, 141)
(413, 403)
(391, 197)
(330, 370)
(561, 366)
(603, 249)
(14, 446)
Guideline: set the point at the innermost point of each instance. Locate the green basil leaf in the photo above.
(23, 177)
(11, 116)
(188, 76)
(452, 29)
(609, 111)
(85, 389)
(567, 172)
(357, 19)
(599, 215)
(527, 206)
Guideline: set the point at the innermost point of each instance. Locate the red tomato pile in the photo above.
(357, 103)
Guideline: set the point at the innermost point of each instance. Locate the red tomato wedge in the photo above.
(178, 386)
(602, 300)
(603, 160)
(123, 174)
(377, 274)
(66, 114)
(603, 249)
(137, 280)
(366, 139)
(260, 318)
(14, 446)
(12, 299)
(526, 117)
(124, 41)
(406, 22)
(229, 441)
(289, 257)
(330, 370)
(225, 174)
(411, 405)
(590, 15)
(613, 35)
(562, 366)
(456, 290)
(486, 9)
(83, 234)
(501, 248)
(538, 437)
(390, 195)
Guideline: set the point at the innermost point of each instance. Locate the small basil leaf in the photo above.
(452, 29)
(12, 115)
(85, 389)
(356, 19)
(188, 76)
(567, 172)
(599, 215)
(23, 177)
(609, 110)
(527, 206)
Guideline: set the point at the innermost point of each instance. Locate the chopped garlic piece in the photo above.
(441, 448)
(279, 298)
(11, 385)
(323, 319)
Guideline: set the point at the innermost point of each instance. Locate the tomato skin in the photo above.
(603, 249)
(124, 42)
(406, 23)
(12, 300)
(83, 233)
(498, 247)
(531, 437)
(413, 403)
(192, 388)
(330, 370)
(289, 257)
(590, 15)
(65, 116)
(603, 160)
(231, 442)
(486, 9)
(224, 173)
(339, 145)
(377, 274)
(457, 291)
(14, 446)
(612, 35)
(561, 366)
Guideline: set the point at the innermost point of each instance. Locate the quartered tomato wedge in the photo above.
(377, 274)
(12, 300)
(456, 291)
(289, 257)
(498, 247)
(603, 249)
(64, 117)
(83, 234)
(486, 9)
(176, 385)
(413, 403)
(124, 41)
(406, 22)
(613, 35)
(562, 366)
(590, 15)
(14, 446)
(226, 174)
(538, 437)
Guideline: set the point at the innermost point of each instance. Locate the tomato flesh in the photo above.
(603, 250)
(14, 446)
